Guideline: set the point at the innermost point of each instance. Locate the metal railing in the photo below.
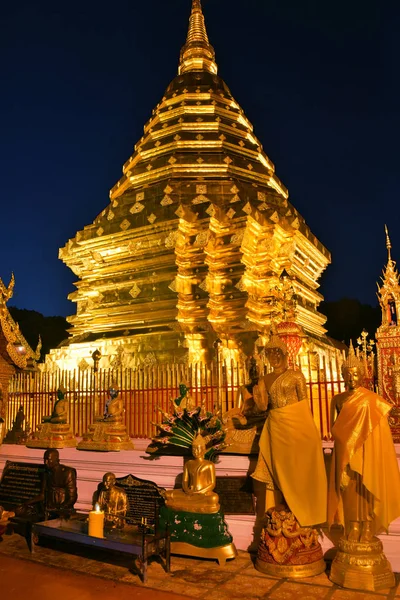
(146, 388)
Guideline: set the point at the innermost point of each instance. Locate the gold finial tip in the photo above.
(388, 243)
(197, 54)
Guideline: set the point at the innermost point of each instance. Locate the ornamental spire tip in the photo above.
(388, 243)
(197, 54)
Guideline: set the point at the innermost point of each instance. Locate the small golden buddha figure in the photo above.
(113, 500)
(108, 432)
(60, 409)
(198, 483)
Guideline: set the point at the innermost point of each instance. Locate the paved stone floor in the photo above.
(92, 574)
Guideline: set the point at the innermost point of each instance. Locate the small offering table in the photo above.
(130, 540)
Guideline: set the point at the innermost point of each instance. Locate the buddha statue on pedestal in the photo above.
(114, 407)
(289, 479)
(108, 432)
(198, 483)
(364, 486)
(55, 431)
(193, 513)
(60, 409)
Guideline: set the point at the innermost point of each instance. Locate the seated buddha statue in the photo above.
(60, 409)
(108, 432)
(197, 494)
(114, 407)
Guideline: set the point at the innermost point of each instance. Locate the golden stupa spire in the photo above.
(197, 54)
(388, 243)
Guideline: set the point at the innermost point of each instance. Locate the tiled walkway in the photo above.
(192, 578)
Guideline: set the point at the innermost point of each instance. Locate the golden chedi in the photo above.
(192, 513)
(55, 430)
(289, 479)
(194, 238)
(364, 486)
(108, 432)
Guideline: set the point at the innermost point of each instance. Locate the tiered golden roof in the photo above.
(199, 227)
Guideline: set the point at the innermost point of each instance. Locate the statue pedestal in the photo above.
(362, 566)
(106, 436)
(52, 435)
(198, 534)
(286, 549)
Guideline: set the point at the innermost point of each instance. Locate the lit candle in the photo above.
(96, 522)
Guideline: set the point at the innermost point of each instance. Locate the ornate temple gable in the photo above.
(14, 347)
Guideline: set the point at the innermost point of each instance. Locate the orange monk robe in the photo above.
(291, 461)
(363, 441)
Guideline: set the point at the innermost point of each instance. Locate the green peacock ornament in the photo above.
(183, 423)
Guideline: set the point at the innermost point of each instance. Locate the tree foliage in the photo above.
(52, 330)
(348, 317)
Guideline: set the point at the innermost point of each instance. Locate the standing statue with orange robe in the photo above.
(364, 486)
(364, 489)
(289, 479)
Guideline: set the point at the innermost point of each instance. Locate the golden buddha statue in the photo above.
(289, 478)
(364, 486)
(108, 432)
(290, 462)
(113, 500)
(54, 431)
(59, 414)
(198, 483)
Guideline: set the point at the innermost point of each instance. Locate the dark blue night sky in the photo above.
(318, 80)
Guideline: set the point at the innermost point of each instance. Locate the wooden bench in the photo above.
(137, 539)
